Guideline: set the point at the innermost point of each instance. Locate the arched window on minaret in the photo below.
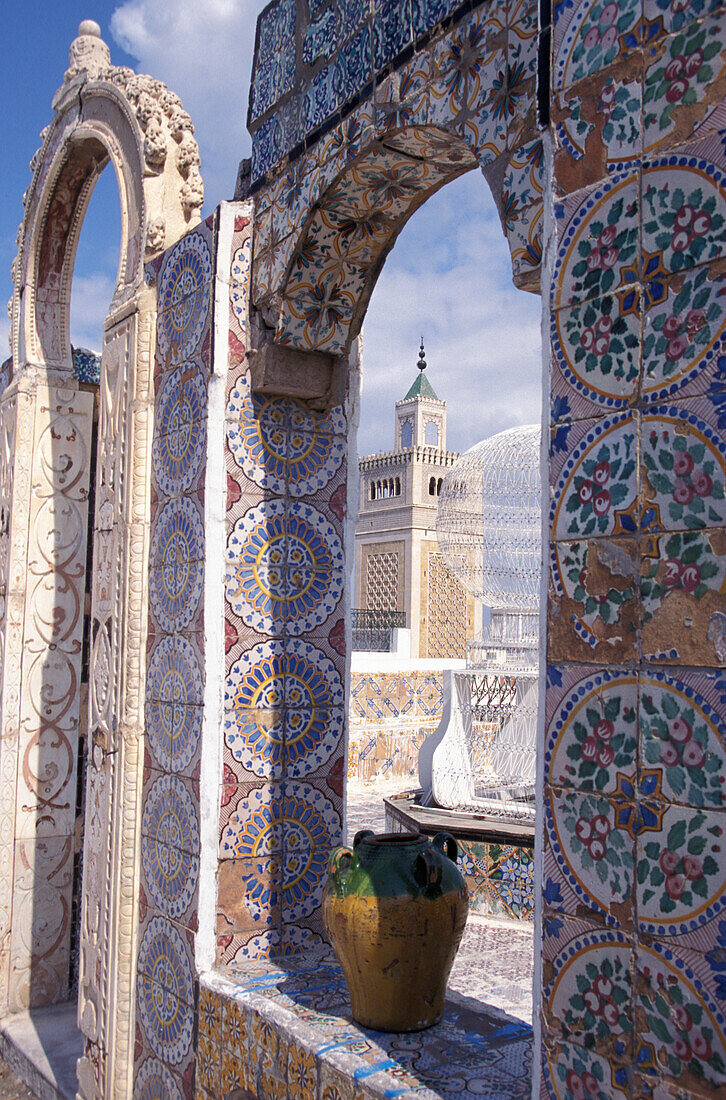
(432, 434)
(432, 486)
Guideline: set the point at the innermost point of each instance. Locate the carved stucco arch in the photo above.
(102, 113)
(325, 226)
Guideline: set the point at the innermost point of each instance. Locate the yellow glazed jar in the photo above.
(395, 908)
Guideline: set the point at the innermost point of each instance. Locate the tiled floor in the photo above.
(476, 1050)
(364, 804)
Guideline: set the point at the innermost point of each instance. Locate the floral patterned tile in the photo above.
(683, 469)
(674, 15)
(680, 1026)
(597, 125)
(569, 1070)
(592, 841)
(682, 580)
(589, 995)
(684, 214)
(684, 73)
(598, 249)
(523, 228)
(592, 733)
(596, 358)
(593, 603)
(589, 36)
(680, 880)
(595, 486)
(683, 736)
(683, 334)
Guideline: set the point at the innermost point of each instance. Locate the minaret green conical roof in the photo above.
(421, 387)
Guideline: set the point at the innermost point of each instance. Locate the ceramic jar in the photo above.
(395, 907)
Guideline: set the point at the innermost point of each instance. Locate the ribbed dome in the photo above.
(489, 519)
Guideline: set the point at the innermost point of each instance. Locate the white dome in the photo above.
(489, 520)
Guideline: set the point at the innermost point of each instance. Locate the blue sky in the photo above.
(447, 277)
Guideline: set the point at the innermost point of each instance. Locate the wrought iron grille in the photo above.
(373, 630)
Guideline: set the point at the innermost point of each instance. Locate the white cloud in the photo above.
(203, 50)
(90, 299)
(449, 278)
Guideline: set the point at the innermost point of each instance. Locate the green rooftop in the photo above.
(421, 388)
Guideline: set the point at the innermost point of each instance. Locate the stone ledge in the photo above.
(283, 1029)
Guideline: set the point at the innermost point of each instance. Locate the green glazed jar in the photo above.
(395, 908)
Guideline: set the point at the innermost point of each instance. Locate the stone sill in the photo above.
(283, 1029)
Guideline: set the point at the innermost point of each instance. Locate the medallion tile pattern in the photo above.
(634, 870)
(168, 903)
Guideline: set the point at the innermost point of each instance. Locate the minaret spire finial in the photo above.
(421, 357)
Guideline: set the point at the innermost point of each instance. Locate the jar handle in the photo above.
(342, 861)
(427, 870)
(362, 834)
(446, 845)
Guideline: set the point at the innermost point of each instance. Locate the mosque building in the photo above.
(398, 564)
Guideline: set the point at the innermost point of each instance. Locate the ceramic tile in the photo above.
(590, 36)
(280, 444)
(680, 876)
(283, 709)
(165, 966)
(684, 469)
(598, 249)
(170, 879)
(589, 997)
(571, 1070)
(249, 894)
(596, 358)
(252, 821)
(683, 733)
(680, 1026)
(595, 485)
(284, 568)
(591, 839)
(683, 72)
(684, 213)
(391, 30)
(683, 335)
(598, 125)
(682, 578)
(524, 237)
(427, 13)
(184, 294)
(592, 735)
(593, 601)
(152, 1077)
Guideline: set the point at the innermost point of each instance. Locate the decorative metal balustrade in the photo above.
(373, 630)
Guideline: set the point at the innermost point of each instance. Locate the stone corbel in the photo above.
(311, 376)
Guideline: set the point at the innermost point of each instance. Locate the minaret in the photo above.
(421, 417)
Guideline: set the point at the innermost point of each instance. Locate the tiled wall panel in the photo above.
(634, 870)
(170, 831)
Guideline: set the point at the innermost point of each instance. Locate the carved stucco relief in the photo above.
(102, 113)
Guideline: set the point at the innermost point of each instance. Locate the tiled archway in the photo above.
(325, 225)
